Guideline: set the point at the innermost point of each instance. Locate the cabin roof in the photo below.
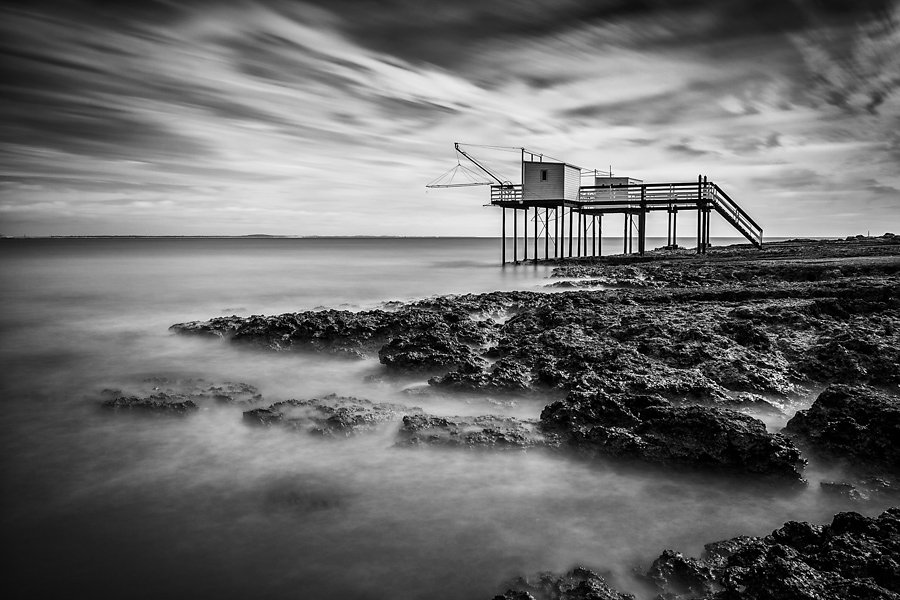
(550, 162)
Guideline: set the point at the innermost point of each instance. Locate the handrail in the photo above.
(634, 196)
(730, 209)
(736, 206)
(506, 193)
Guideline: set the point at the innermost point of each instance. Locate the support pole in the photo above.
(587, 229)
(578, 243)
(706, 215)
(537, 217)
(630, 233)
(556, 232)
(600, 233)
(525, 236)
(503, 238)
(571, 217)
(642, 223)
(669, 227)
(547, 233)
(515, 235)
(594, 235)
(625, 236)
(675, 227)
(699, 216)
(562, 233)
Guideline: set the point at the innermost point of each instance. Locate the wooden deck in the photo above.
(634, 201)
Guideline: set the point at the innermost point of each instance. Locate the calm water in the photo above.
(114, 505)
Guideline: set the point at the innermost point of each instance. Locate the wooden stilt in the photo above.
(578, 243)
(699, 215)
(515, 235)
(537, 217)
(600, 234)
(571, 230)
(547, 233)
(560, 239)
(525, 236)
(675, 227)
(503, 238)
(555, 232)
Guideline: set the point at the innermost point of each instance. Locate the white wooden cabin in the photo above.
(550, 181)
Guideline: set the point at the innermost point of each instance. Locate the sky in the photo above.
(329, 117)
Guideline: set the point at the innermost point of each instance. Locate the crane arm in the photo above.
(478, 164)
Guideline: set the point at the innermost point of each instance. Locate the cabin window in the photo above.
(543, 174)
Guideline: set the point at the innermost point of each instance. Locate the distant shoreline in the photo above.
(341, 237)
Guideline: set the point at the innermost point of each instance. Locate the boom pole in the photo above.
(478, 164)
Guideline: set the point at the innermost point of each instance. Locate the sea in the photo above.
(106, 504)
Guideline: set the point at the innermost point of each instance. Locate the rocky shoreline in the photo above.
(666, 359)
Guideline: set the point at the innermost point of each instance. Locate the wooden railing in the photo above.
(735, 215)
(506, 193)
(682, 195)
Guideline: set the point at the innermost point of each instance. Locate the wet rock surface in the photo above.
(179, 396)
(735, 329)
(486, 431)
(578, 584)
(331, 416)
(854, 422)
(852, 558)
(700, 328)
(650, 428)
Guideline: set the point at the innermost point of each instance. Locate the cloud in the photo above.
(256, 116)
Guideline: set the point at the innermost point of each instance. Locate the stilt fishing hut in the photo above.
(552, 189)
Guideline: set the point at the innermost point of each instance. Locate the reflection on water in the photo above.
(116, 504)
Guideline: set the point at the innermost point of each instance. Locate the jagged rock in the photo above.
(331, 416)
(843, 489)
(506, 375)
(578, 584)
(357, 334)
(426, 351)
(681, 576)
(487, 431)
(652, 429)
(159, 403)
(853, 558)
(852, 421)
(161, 394)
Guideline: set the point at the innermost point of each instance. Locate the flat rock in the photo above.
(180, 396)
(486, 431)
(331, 416)
(578, 584)
(650, 428)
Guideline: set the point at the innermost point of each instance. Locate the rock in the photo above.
(843, 489)
(161, 394)
(411, 330)
(427, 351)
(158, 403)
(331, 416)
(650, 428)
(486, 431)
(578, 584)
(681, 576)
(855, 557)
(855, 422)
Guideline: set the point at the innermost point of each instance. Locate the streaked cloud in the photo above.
(329, 117)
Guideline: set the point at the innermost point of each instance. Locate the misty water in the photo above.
(120, 505)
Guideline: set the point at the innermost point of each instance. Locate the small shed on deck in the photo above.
(550, 181)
